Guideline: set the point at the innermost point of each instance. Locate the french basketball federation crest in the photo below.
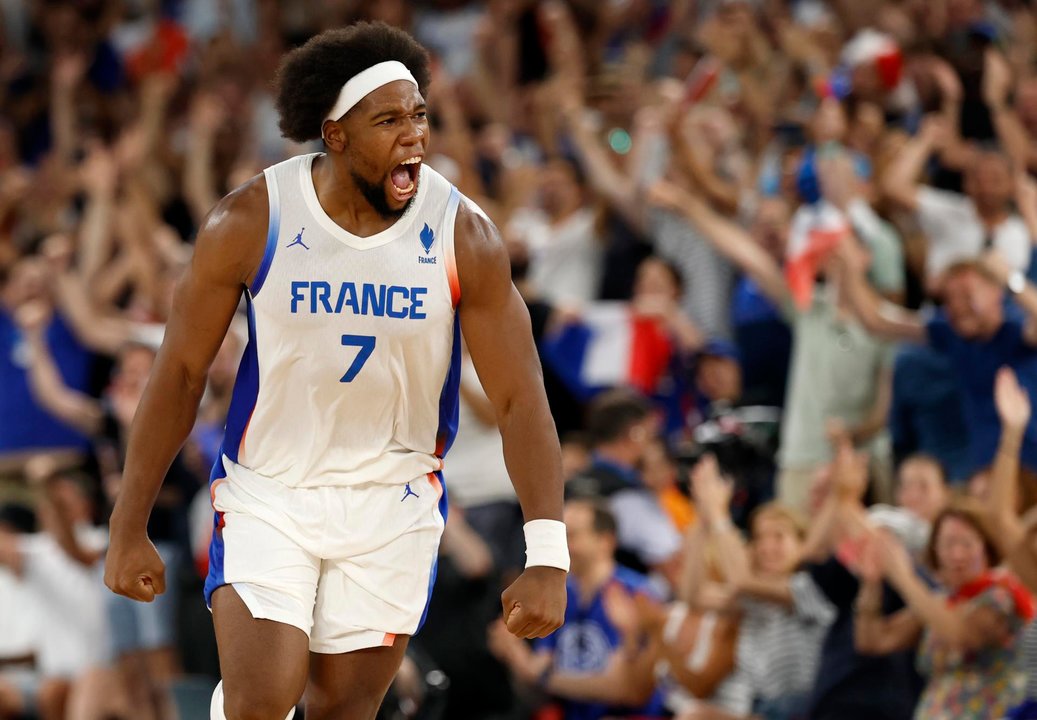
(427, 238)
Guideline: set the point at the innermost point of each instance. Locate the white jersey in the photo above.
(352, 365)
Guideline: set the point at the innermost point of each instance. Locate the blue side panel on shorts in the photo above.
(215, 577)
(448, 398)
(246, 390)
(444, 504)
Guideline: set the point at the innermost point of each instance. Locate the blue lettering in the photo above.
(347, 296)
(417, 303)
(320, 290)
(396, 290)
(297, 296)
(395, 301)
(376, 303)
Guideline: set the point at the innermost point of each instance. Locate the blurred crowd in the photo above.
(777, 256)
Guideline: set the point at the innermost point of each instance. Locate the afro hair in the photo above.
(311, 76)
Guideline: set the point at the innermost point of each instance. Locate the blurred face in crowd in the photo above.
(921, 489)
(27, 281)
(587, 546)
(829, 123)
(576, 457)
(719, 378)
(384, 129)
(560, 191)
(988, 182)
(655, 278)
(867, 128)
(776, 543)
(129, 380)
(960, 554)
(973, 303)
(770, 227)
(658, 471)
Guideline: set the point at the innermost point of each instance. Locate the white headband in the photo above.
(364, 83)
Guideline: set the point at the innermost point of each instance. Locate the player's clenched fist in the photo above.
(133, 568)
(534, 605)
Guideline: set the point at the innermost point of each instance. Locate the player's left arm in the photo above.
(497, 329)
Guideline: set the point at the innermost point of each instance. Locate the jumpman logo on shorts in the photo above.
(298, 240)
(407, 492)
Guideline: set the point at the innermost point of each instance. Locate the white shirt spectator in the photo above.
(955, 232)
(70, 599)
(19, 618)
(565, 260)
(475, 470)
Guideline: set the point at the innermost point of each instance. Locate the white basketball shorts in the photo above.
(352, 567)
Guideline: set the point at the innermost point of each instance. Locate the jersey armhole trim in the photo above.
(450, 221)
(272, 231)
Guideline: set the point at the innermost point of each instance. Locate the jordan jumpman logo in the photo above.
(298, 240)
(407, 492)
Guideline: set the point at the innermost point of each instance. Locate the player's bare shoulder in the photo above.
(232, 238)
(482, 258)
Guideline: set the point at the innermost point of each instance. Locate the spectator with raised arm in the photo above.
(838, 370)
(959, 227)
(969, 639)
(976, 329)
(784, 617)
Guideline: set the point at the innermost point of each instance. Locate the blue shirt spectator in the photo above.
(27, 426)
(589, 638)
(976, 362)
(927, 411)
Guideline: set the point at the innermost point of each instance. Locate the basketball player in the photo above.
(359, 268)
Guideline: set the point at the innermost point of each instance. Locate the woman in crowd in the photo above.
(968, 639)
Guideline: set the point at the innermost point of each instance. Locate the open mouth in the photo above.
(404, 178)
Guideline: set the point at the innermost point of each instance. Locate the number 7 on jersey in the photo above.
(366, 345)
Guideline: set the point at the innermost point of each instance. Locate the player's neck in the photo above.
(343, 201)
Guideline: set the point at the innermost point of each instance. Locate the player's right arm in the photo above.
(228, 251)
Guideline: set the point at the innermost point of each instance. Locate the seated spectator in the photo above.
(60, 568)
(621, 426)
(970, 639)
(597, 633)
(662, 474)
(19, 628)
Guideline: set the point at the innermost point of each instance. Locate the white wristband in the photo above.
(546, 544)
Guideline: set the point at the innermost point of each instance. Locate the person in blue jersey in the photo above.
(592, 664)
(359, 267)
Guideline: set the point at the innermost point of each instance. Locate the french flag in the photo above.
(815, 234)
(609, 345)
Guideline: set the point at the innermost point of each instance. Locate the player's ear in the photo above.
(334, 136)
